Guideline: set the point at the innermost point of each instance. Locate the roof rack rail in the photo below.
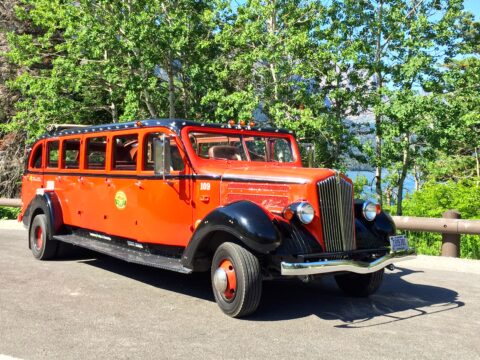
(53, 128)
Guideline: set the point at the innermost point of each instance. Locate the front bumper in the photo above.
(332, 266)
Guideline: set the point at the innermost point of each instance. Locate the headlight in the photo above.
(305, 212)
(370, 210)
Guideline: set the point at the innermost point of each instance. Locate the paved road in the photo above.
(97, 307)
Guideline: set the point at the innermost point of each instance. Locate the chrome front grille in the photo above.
(337, 213)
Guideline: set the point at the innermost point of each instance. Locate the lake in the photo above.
(409, 186)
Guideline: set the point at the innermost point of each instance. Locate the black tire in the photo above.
(246, 269)
(43, 248)
(360, 285)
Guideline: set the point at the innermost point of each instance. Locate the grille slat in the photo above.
(336, 211)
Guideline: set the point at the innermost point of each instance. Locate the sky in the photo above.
(474, 7)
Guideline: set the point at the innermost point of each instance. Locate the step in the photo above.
(125, 253)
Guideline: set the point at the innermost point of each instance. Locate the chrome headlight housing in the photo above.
(305, 212)
(370, 210)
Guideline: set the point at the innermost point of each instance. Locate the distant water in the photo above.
(408, 187)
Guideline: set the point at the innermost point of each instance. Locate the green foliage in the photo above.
(306, 65)
(359, 184)
(8, 213)
(436, 198)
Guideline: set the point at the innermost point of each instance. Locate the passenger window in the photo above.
(125, 148)
(282, 151)
(96, 153)
(176, 164)
(71, 154)
(256, 148)
(52, 154)
(37, 157)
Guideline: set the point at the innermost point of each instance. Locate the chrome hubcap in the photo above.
(220, 280)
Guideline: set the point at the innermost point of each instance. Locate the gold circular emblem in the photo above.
(120, 200)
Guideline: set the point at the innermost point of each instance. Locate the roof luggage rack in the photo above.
(51, 129)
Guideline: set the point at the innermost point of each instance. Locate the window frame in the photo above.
(112, 153)
(107, 152)
(39, 145)
(144, 144)
(63, 153)
(47, 154)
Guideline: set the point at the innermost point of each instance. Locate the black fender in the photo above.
(241, 221)
(49, 205)
(372, 234)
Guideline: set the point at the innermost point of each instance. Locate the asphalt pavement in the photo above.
(92, 306)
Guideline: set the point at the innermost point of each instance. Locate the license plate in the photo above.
(398, 243)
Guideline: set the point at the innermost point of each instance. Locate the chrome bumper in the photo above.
(359, 267)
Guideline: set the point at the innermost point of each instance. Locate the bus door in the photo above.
(165, 204)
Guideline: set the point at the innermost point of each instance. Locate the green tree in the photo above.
(112, 60)
(404, 44)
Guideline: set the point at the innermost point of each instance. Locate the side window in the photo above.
(176, 164)
(125, 148)
(52, 154)
(71, 154)
(282, 151)
(36, 162)
(96, 150)
(256, 148)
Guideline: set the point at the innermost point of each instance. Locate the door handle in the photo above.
(108, 182)
(139, 184)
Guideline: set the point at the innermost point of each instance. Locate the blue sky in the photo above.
(474, 7)
(471, 5)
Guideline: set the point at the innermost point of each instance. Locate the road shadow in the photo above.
(396, 300)
(195, 285)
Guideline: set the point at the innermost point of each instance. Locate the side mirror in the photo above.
(161, 155)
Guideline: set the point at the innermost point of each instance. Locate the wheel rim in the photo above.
(225, 280)
(38, 237)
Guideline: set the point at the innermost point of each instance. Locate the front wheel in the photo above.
(42, 246)
(360, 285)
(236, 280)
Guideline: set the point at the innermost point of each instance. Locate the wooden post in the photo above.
(451, 242)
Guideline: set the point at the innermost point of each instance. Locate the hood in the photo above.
(272, 187)
(273, 174)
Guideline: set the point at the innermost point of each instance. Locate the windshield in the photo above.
(236, 147)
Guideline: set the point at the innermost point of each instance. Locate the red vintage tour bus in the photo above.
(231, 199)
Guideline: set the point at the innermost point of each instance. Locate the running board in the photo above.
(124, 253)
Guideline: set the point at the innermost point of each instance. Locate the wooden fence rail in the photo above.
(450, 226)
(10, 202)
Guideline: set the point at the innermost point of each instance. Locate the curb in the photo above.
(11, 225)
(444, 263)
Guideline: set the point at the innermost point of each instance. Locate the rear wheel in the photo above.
(236, 280)
(42, 246)
(360, 285)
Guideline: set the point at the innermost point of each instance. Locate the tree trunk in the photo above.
(416, 176)
(272, 28)
(378, 158)
(171, 89)
(477, 159)
(113, 108)
(378, 117)
(148, 102)
(388, 196)
(401, 181)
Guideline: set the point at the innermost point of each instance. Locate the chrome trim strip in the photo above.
(358, 267)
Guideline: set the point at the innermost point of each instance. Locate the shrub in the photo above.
(8, 212)
(436, 198)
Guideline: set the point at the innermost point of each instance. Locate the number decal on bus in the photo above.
(205, 186)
